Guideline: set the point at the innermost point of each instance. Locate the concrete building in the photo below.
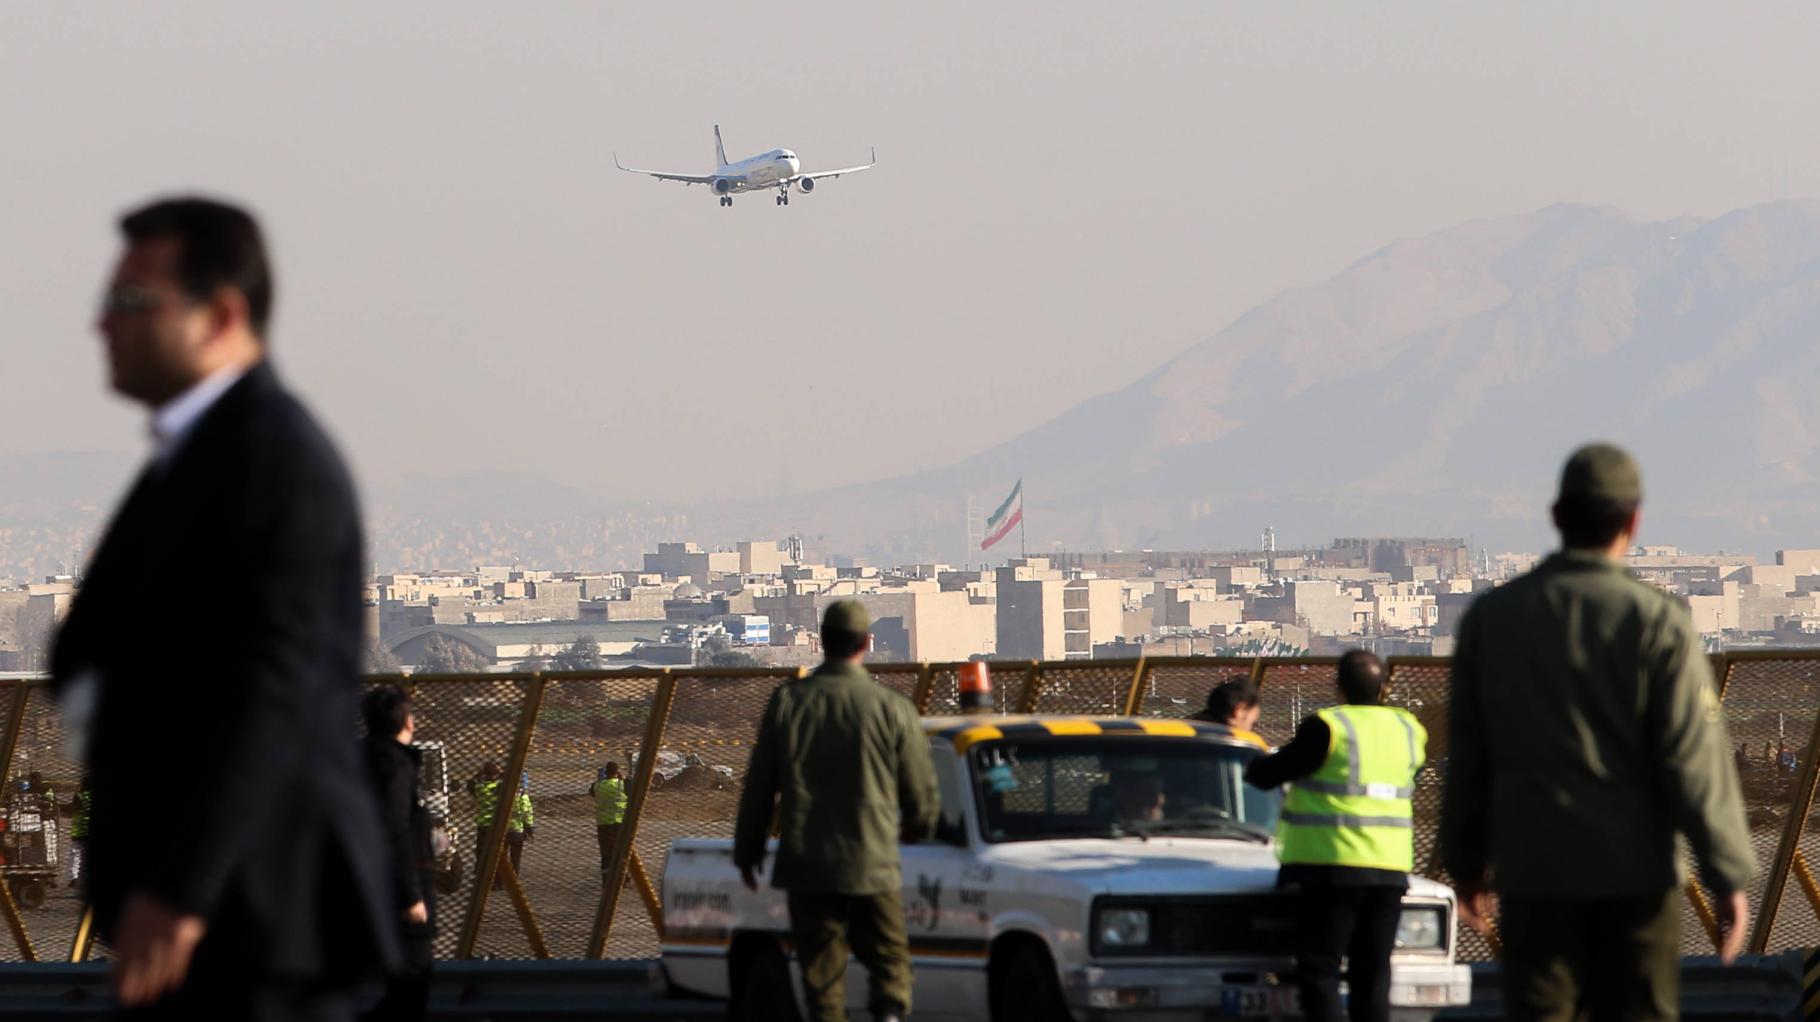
(1042, 616)
(1323, 607)
(676, 561)
(1400, 606)
(761, 557)
(1197, 607)
(504, 646)
(921, 622)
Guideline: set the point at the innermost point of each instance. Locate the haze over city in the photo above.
(1068, 197)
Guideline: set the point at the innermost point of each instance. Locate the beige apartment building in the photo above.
(1043, 615)
(920, 622)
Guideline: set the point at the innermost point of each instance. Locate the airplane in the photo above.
(778, 169)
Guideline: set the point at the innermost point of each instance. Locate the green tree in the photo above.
(377, 659)
(581, 655)
(536, 661)
(442, 655)
(718, 651)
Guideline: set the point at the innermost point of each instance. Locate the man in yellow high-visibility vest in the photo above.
(610, 801)
(1346, 839)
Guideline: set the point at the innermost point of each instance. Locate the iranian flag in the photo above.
(1005, 518)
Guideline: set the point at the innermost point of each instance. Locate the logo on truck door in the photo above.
(926, 911)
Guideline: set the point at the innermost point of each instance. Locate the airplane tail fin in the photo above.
(720, 151)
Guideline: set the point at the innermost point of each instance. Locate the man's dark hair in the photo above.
(841, 643)
(219, 246)
(384, 709)
(1228, 697)
(1591, 523)
(1361, 677)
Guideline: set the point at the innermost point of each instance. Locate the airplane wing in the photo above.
(819, 174)
(688, 179)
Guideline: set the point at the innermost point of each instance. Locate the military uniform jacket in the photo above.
(1585, 734)
(844, 762)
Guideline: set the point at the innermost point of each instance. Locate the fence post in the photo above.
(15, 719)
(84, 940)
(1257, 671)
(1033, 688)
(925, 688)
(488, 867)
(1135, 698)
(1790, 844)
(615, 879)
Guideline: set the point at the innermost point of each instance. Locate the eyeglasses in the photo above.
(131, 298)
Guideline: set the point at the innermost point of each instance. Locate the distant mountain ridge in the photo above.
(1435, 385)
(1432, 387)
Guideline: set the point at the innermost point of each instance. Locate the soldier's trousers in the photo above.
(1592, 960)
(826, 925)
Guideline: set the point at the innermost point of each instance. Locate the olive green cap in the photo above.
(846, 616)
(1602, 472)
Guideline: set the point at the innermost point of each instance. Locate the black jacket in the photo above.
(221, 615)
(396, 771)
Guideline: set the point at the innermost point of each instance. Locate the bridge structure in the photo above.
(558, 728)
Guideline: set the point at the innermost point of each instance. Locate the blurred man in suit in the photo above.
(256, 887)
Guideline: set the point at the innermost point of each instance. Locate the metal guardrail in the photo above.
(1756, 989)
(519, 991)
(563, 892)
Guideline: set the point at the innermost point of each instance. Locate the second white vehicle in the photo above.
(777, 169)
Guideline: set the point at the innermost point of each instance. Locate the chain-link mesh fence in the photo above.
(1093, 688)
(37, 850)
(1009, 681)
(467, 727)
(470, 726)
(904, 679)
(701, 767)
(1177, 687)
(1770, 707)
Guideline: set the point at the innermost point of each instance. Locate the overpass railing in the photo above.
(560, 894)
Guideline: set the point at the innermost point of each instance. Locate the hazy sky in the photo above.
(1068, 194)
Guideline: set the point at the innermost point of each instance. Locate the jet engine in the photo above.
(807, 184)
(723, 186)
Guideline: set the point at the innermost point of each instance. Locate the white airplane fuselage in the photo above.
(777, 169)
(754, 172)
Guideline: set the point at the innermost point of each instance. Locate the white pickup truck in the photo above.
(1086, 868)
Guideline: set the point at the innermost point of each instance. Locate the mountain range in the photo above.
(1431, 388)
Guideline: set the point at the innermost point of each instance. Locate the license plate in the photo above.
(1259, 1002)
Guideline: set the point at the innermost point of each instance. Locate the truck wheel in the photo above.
(761, 988)
(1023, 987)
(28, 893)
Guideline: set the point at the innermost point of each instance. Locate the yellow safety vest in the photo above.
(1355, 810)
(486, 799)
(609, 801)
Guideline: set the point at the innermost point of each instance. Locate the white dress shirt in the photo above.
(175, 418)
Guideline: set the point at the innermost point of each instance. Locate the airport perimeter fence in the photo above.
(566, 889)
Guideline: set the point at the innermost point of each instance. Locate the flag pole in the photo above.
(1023, 548)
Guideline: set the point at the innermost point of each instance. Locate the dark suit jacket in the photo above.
(222, 616)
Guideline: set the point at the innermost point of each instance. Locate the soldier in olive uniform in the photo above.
(844, 763)
(1585, 734)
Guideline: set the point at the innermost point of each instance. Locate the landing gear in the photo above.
(783, 194)
(726, 200)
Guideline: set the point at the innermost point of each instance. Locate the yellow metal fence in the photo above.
(571, 890)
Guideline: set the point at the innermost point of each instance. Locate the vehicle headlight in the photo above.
(1124, 927)
(1422, 929)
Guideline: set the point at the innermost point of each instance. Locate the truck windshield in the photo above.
(1106, 786)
